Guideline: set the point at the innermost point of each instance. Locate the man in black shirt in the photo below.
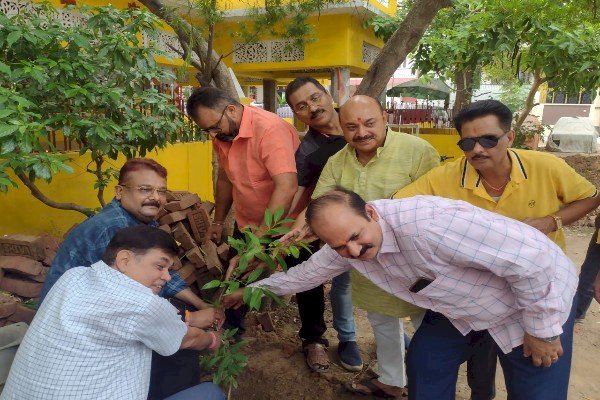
(312, 104)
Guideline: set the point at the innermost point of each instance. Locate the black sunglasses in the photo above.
(486, 141)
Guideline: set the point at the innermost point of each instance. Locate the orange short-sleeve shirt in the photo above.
(264, 147)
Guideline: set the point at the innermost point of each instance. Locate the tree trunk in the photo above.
(35, 191)
(191, 40)
(529, 103)
(464, 89)
(398, 46)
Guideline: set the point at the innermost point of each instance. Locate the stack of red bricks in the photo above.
(24, 264)
(186, 217)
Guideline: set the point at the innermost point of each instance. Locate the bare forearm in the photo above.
(223, 196)
(196, 339)
(191, 298)
(297, 197)
(286, 186)
(578, 209)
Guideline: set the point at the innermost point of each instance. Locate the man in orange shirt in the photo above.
(255, 148)
(257, 168)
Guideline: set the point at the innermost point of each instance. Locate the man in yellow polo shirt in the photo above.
(374, 164)
(539, 189)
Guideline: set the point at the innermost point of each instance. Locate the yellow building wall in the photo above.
(338, 42)
(188, 165)
(237, 5)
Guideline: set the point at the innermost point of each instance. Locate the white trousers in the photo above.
(389, 340)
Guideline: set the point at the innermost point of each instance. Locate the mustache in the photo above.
(363, 250)
(316, 113)
(152, 203)
(363, 138)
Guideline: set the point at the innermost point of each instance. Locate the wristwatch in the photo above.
(558, 220)
(548, 339)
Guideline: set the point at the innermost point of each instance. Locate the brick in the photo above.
(195, 257)
(187, 201)
(50, 242)
(165, 228)
(161, 213)
(200, 223)
(212, 258)
(223, 252)
(41, 277)
(8, 305)
(208, 206)
(187, 273)
(173, 217)
(22, 265)
(177, 264)
(21, 287)
(50, 254)
(183, 236)
(265, 320)
(174, 195)
(23, 245)
(22, 314)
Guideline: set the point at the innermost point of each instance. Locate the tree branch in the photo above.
(35, 191)
(403, 41)
(184, 30)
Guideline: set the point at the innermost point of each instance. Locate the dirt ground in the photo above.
(277, 369)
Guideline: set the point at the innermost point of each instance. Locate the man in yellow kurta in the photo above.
(539, 189)
(374, 164)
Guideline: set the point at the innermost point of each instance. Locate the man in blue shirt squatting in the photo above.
(139, 196)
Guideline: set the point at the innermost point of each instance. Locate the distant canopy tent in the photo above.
(420, 88)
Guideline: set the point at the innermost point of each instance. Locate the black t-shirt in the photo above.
(313, 153)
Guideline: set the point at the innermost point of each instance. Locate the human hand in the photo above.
(208, 318)
(215, 341)
(252, 266)
(296, 234)
(545, 224)
(541, 353)
(215, 232)
(233, 300)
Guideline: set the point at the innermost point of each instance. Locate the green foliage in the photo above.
(91, 82)
(228, 360)
(514, 94)
(252, 248)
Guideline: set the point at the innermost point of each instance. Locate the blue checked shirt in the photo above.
(86, 244)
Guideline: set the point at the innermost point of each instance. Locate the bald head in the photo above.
(363, 123)
(359, 101)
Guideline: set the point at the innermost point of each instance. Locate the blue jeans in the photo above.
(589, 271)
(204, 391)
(341, 306)
(438, 348)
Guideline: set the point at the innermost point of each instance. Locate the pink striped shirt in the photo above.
(487, 271)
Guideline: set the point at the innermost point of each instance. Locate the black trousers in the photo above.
(177, 372)
(311, 304)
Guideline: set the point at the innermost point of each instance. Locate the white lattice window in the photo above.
(267, 51)
(384, 3)
(69, 18)
(369, 52)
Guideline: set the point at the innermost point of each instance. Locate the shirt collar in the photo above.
(388, 243)
(246, 130)
(470, 178)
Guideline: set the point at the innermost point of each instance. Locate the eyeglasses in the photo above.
(314, 99)
(216, 128)
(486, 141)
(147, 191)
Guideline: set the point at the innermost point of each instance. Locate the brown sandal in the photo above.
(316, 357)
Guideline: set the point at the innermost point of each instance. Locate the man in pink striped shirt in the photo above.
(482, 276)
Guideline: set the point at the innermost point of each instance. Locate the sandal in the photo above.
(316, 357)
(371, 389)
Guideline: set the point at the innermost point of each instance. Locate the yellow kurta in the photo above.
(402, 159)
(540, 184)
